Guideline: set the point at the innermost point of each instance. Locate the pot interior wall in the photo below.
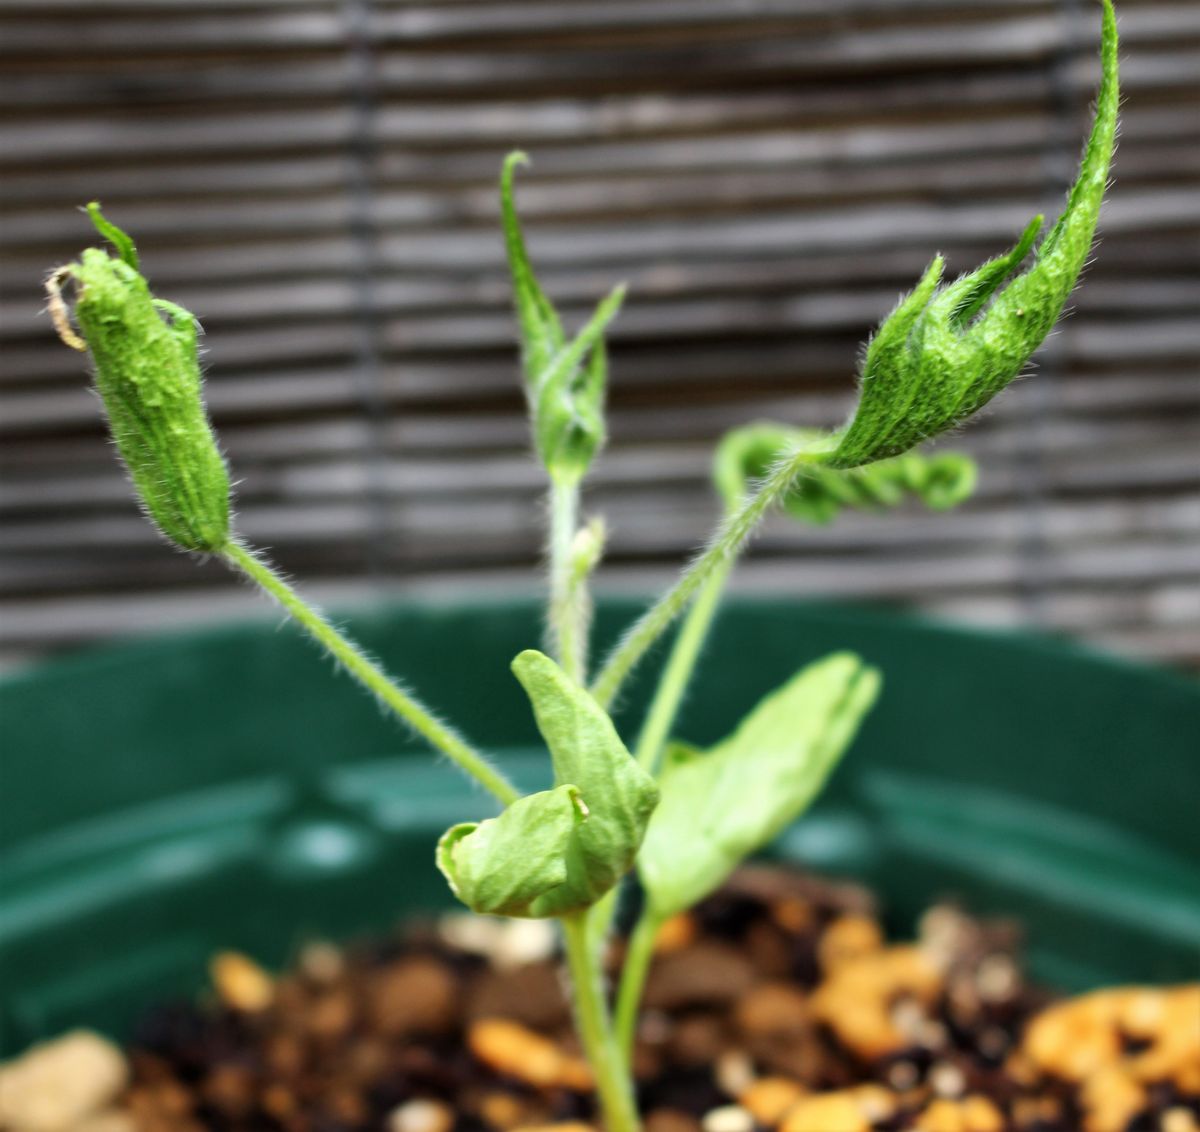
(169, 798)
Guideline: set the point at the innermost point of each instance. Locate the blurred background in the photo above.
(316, 181)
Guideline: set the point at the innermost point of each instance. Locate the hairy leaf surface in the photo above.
(948, 350)
(147, 372)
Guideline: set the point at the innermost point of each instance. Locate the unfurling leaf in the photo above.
(147, 373)
(564, 380)
(720, 806)
(594, 819)
(820, 493)
(948, 350)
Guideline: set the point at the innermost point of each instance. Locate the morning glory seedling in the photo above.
(681, 817)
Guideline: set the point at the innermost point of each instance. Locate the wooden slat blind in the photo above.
(317, 181)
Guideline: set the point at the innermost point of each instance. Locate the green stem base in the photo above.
(638, 957)
(614, 1083)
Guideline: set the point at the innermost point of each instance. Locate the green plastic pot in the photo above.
(169, 798)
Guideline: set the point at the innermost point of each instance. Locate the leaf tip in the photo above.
(119, 239)
(529, 662)
(951, 478)
(869, 685)
(516, 159)
(862, 681)
(444, 854)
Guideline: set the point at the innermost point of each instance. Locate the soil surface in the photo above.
(776, 1004)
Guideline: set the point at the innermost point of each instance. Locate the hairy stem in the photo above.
(614, 1084)
(677, 674)
(369, 674)
(568, 609)
(633, 979)
(723, 551)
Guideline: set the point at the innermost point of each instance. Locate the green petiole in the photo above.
(399, 701)
(677, 673)
(639, 953)
(723, 551)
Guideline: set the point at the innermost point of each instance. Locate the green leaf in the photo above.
(820, 493)
(541, 331)
(588, 752)
(565, 381)
(147, 373)
(119, 239)
(503, 866)
(719, 807)
(559, 851)
(948, 350)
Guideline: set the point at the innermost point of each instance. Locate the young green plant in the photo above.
(684, 818)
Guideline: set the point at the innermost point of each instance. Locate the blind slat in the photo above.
(767, 176)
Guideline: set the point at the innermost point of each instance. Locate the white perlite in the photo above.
(730, 1118)
(421, 1116)
(506, 943)
(61, 1085)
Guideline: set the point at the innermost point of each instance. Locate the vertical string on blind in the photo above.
(362, 149)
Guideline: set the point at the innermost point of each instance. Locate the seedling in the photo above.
(682, 817)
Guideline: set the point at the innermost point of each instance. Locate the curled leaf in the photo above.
(122, 241)
(561, 850)
(720, 806)
(147, 373)
(565, 380)
(587, 752)
(948, 350)
(505, 865)
(745, 455)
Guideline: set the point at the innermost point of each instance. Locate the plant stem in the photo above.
(614, 1083)
(369, 674)
(677, 674)
(660, 718)
(600, 918)
(639, 953)
(568, 610)
(722, 552)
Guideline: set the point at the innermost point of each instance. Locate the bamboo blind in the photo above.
(316, 180)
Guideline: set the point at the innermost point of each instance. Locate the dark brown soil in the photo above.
(777, 1003)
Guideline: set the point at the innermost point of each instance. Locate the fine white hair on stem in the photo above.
(727, 542)
(356, 663)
